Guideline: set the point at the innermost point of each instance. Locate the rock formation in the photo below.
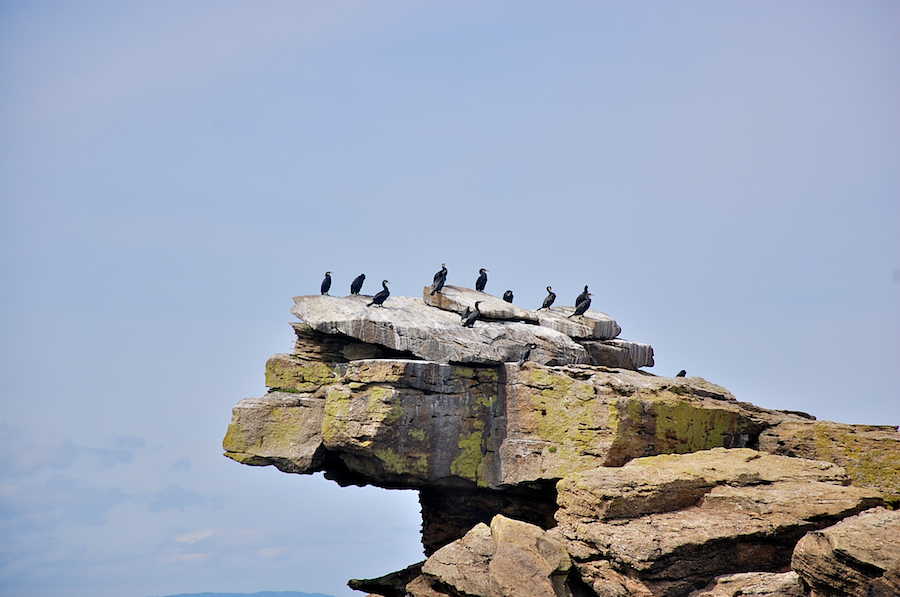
(547, 463)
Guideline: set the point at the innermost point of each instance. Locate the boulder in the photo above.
(458, 299)
(674, 522)
(510, 558)
(591, 325)
(857, 557)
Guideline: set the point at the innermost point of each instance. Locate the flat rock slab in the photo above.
(458, 299)
(854, 558)
(754, 584)
(409, 325)
(593, 324)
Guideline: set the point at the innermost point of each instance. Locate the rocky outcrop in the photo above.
(675, 522)
(544, 424)
(857, 557)
(754, 584)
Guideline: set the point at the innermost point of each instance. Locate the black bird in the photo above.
(465, 313)
(482, 280)
(382, 295)
(681, 373)
(551, 296)
(356, 285)
(440, 279)
(583, 306)
(508, 296)
(582, 296)
(526, 353)
(326, 283)
(471, 317)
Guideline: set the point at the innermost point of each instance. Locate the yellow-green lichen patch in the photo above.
(383, 408)
(417, 434)
(566, 409)
(868, 463)
(467, 372)
(396, 464)
(337, 415)
(682, 427)
(286, 373)
(470, 462)
(234, 441)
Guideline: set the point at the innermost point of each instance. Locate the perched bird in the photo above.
(382, 295)
(356, 285)
(582, 296)
(465, 313)
(326, 283)
(526, 353)
(440, 279)
(551, 296)
(583, 306)
(482, 280)
(471, 317)
(508, 296)
(681, 373)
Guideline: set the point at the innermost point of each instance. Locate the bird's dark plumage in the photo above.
(583, 306)
(382, 295)
(508, 296)
(326, 283)
(681, 373)
(482, 280)
(551, 296)
(440, 279)
(469, 321)
(465, 313)
(356, 285)
(526, 353)
(582, 296)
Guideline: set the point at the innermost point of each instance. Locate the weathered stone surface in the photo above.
(508, 559)
(409, 325)
(754, 584)
(623, 354)
(389, 585)
(870, 453)
(457, 299)
(675, 521)
(279, 429)
(592, 325)
(852, 557)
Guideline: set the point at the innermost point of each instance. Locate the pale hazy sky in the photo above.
(724, 175)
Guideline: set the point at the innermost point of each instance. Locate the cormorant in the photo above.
(508, 296)
(471, 317)
(356, 285)
(326, 283)
(583, 306)
(526, 353)
(551, 296)
(465, 313)
(482, 280)
(582, 296)
(440, 279)
(681, 373)
(382, 295)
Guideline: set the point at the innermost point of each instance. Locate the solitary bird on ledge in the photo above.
(326, 283)
(382, 295)
(482, 280)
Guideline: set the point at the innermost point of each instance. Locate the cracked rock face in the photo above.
(674, 522)
(857, 557)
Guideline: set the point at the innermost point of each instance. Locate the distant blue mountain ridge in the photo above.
(263, 594)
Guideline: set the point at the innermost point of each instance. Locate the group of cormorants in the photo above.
(582, 303)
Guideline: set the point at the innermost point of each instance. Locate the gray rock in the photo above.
(593, 324)
(457, 299)
(409, 325)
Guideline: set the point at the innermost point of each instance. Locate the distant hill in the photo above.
(263, 594)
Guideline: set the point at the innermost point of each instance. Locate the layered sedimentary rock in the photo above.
(648, 483)
(857, 557)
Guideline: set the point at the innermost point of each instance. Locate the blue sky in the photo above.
(724, 176)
